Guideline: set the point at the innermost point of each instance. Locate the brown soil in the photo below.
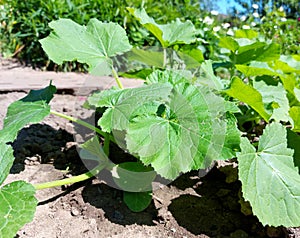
(191, 206)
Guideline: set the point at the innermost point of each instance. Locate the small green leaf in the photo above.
(274, 99)
(93, 44)
(247, 94)
(295, 115)
(92, 150)
(137, 202)
(245, 33)
(17, 207)
(208, 78)
(191, 56)
(270, 181)
(133, 177)
(169, 34)
(228, 43)
(45, 94)
(6, 160)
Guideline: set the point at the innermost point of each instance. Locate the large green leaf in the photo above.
(270, 181)
(93, 44)
(6, 160)
(247, 94)
(147, 57)
(275, 100)
(121, 104)
(189, 131)
(19, 114)
(258, 51)
(17, 207)
(293, 140)
(31, 109)
(256, 69)
(169, 34)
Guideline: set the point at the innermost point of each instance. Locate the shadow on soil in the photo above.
(110, 200)
(42, 144)
(216, 212)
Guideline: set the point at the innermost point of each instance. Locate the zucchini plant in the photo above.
(183, 118)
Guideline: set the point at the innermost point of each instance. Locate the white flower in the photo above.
(230, 32)
(255, 14)
(216, 28)
(255, 6)
(253, 24)
(275, 27)
(246, 27)
(281, 9)
(205, 29)
(208, 20)
(283, 19)
(226, 25)
(243, 18)
(214, 12)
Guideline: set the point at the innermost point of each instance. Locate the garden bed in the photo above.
(188, 207)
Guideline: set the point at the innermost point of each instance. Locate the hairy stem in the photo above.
(80, 122)
(71, 180)
(115, 74)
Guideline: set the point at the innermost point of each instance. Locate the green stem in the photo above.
(115, 74)
(71, 180)
(165, 58)
(80, 122)
(106, 144)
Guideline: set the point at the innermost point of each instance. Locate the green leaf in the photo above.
(31, 109)
(148, 57)
(169, 34)
(274, 99)
(228, 43)
(245, 33)
(295, 115)
(256, 69)
(133, 177)
(21, 113)
(93, 44)
(17, 207)
(191, 56)
(45, 94)
(92, 150)
(190, 131)
(247, 94)
(137, 202)
(208, 78)
(137, 74)
(293, 140)
(6, 160)
(258, 51)
(270, 181)
(121, 104)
